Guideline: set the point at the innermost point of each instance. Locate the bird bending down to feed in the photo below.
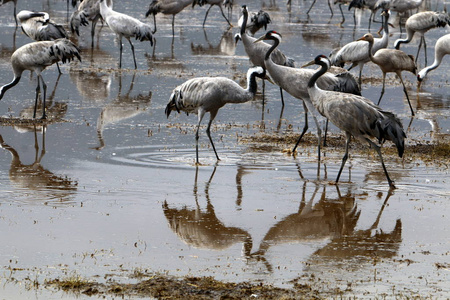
(88, 11)
(211, 4)
(167, 7)
(356, 52)
(295, 82)
(39, 27)
(421, 23)
(257, 51)
(127, 27)
(36, 57)
(441, 49)
(391, 61)
(356, 116)
(208, 94)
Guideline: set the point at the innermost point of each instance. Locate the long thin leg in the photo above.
(331, 9)
(44, 87)
(378, 149)
(344, 159)
(406, 93)
(312, 4)
(342, 14)
(200, 117)
(120, 50)
(206, 15)
(305, 128)
(154, 24)
(282, 98)
(94, 23)
(173, 25)
(38, 89)
(208, 132)
(325, 135)
(418, 49)
(223, 14)
(382, 90)
(425, 49)
(360, 75)
(134, 56)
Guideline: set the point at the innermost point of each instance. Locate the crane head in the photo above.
(270, 35)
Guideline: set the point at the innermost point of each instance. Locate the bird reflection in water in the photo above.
(201, 228)
(39, 182)
(122, 108)
(226, 45)
(92, 86)
(325, 219)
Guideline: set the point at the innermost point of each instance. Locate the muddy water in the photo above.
(111, 188)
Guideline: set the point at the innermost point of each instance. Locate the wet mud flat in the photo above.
(104, 200)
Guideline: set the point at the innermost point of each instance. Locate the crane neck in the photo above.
(370, 51)
(252, 86)
(244, 22)
(276, 42)
(323, 69)
(6, 87)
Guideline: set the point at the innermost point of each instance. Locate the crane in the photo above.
(36, 57)
(258, 20)
(39, 27)
(356, 116)
(208, 94)
(87, 11)
(257, 52)
(422, 22)
(441, 49)
(211, 4)
(125, 26)
(15, 8)
(356, 51)
(167, 7)
(295, 81)
(391, 61)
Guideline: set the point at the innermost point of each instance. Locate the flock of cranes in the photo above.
(331, 91)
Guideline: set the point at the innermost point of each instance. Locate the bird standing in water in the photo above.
(208, 94)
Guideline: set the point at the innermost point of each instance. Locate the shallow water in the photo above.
(115, 189)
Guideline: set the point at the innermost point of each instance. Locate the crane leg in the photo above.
(59, 70)
(173, 26)
(331, 9)
(305, 128)
(342, 14)
(425, 49)
(206, 15)
(38, 89)
(120, 54)
(282, 98)
(200, 117)
(344, 159)
(378, 149)
(154, 24)
(418, 49)
(134, 56)
(406, 94)
(223, 14)
(312, 4)
(208, 132)
(325, 135)
(382, 90)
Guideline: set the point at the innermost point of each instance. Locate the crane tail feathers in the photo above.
(391, 128)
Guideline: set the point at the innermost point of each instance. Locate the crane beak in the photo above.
(260, 39)
(309, 64)
(269, 79)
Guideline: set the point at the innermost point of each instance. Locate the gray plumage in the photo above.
(295, 81)
(356, 52)
(441, 49)
(88, 11)
(127, 27)
(257, 51)
(257, 21)
(391, 61)
(37, 56)
(211, 3)
(369, 4)
(356, 116)
(167, 7)
(420, 23)
(39, 27)
(208, 94)
(400, 6)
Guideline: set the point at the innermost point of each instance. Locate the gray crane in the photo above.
(356, 116)
(441, 49)
(167, 7)
(258, 20)
(36, 57)
(15, 8)
(257, 52)
(295, 81)
(39, 27)
(211, 3)
(125, 26)
(421, 23)
(391, 61)
(208, 94)
(369, 4)
(356, 52)
(87, 11)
